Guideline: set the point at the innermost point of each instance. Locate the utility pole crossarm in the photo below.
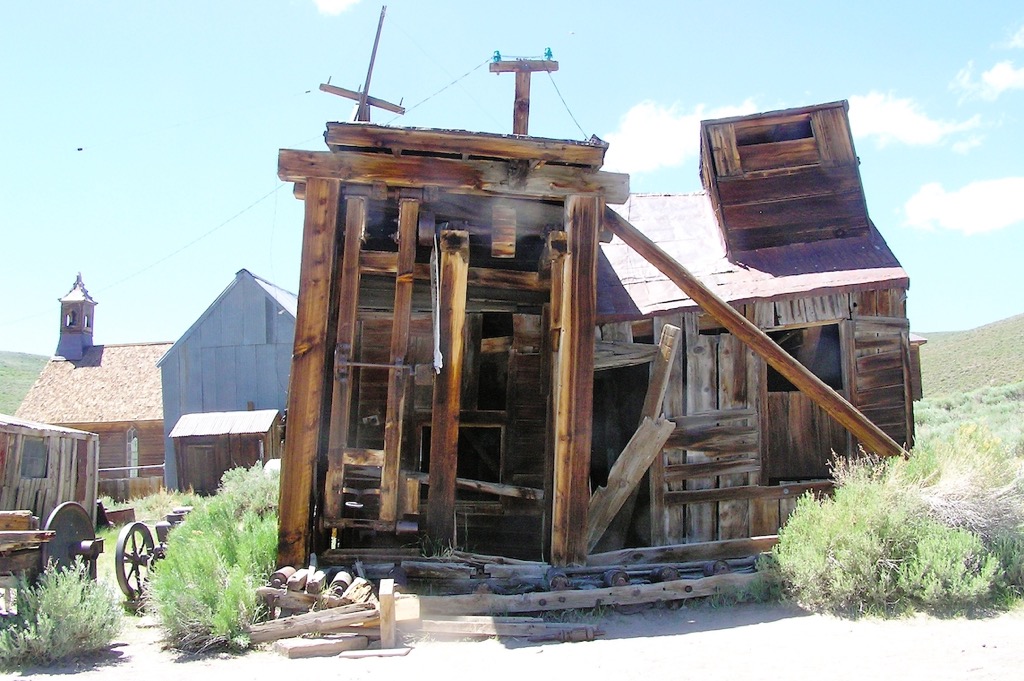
(522, 68)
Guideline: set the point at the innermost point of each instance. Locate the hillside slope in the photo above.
(962, 361)
(18, 372)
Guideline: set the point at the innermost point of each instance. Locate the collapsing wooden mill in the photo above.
(499, 349)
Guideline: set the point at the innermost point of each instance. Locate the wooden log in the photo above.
(573, 381)
(315, 322)
(297, 601)
(281, 576)
(360, 591)
(388, 631)
(625, 475)
(344, 352)
(465, 627)
(444, 431)
(561, 600)
(297, 648)
(340, 582)
(846, 414)
(481, 178)
(731, 548)
(408, 217)
(315, 583)
(323, 621)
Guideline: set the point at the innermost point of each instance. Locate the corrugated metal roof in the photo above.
(684, 225)
(224, 423)
(288, 300)
(8, 420)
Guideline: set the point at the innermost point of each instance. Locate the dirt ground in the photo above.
(737, 642)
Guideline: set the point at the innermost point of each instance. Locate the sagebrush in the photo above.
(64, 615)
(204, 592)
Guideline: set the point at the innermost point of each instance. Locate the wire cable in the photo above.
(584, 132)
(425, 100)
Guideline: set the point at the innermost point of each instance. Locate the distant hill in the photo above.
(962, 361)
(18, 372)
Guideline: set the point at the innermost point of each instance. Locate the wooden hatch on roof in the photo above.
(784, 177)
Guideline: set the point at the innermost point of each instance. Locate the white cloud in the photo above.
(334, 7)
(975, 208)
(1018, 38)
(994, 82)
(651, 136)
(889, 119)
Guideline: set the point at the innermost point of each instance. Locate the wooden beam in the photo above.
(696, 496)
(444, 429)
(873, 438)
(370, 99)
(483, 178)
(497, 489)
(625, 475)
(408, 216)
(381, 262)
(465, 144)
(574, 382)
(315, 322)
(683, 553)
(344, 352)
(481, 604)
(388, 630)
(661, 372)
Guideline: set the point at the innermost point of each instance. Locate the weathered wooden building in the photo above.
(111, 390)
(209, 444)
(474, 351)
(236, 356)
(43, 465)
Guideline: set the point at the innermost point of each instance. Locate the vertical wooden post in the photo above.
(341, 402)
(522, 68)
(308, 387)
(408, 217)
(388, 629)
(574, 382)
(444, 424)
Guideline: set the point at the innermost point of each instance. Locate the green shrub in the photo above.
(873, 548)
(64, 615)
(204, 592)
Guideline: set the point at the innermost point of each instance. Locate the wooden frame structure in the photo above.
(449, 339)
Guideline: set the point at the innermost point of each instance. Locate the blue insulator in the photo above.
(547, 54)
(497, 57)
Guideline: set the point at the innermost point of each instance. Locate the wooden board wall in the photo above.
(70, 472)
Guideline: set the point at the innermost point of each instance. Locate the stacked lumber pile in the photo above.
(368, 598)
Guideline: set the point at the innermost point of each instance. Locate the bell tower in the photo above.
(77, 317)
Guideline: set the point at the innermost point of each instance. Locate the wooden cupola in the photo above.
(77, 319)
(784, 177)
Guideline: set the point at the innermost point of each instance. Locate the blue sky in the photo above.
(139, 140)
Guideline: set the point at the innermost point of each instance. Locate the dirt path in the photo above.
(741, 642)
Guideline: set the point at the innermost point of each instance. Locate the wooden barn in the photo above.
(209, 444)
(111, 390)
(235, 357)
(42, 466)
(491, 356)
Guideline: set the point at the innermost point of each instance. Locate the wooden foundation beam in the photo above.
(344, 353)
(573, 374)
(873, 438)
(308, 394)
(408, 216)
(444, 425)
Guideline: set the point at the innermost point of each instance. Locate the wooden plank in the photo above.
(303, 648)
(315, 322)
(408, 218)
(498, 489)
(778, 155)
(388, 631)
(706, 496)
(344, 352)
(444, 431)
(465, 144)
(800, 182)
(795, 211)
(845, 413)
(574, 368)
(683, 553)
(668, 523)
(836, 227)
(723, 150)
(15, 520)
(701, 395)
(563, 600)
(482, 178)
(686, 471)
(734, 390)
(661, 371)
(625, 475)
(358, 456)
(832, 131)
(323, 621)
(381, 262)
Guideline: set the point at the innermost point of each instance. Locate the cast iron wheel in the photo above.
(132, 559)
(72, 527)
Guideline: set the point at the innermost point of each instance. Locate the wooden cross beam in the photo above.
(363, 96)
(522, 68)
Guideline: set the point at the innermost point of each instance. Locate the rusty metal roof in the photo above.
(225, 423)
(684, 225)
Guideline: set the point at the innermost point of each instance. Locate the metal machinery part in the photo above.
(74, 537)
(133, 557)
(136, 552)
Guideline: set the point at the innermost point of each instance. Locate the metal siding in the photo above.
(254, 315)
(226, 373)
(246, 376)
(208, 374)
(232, 314)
